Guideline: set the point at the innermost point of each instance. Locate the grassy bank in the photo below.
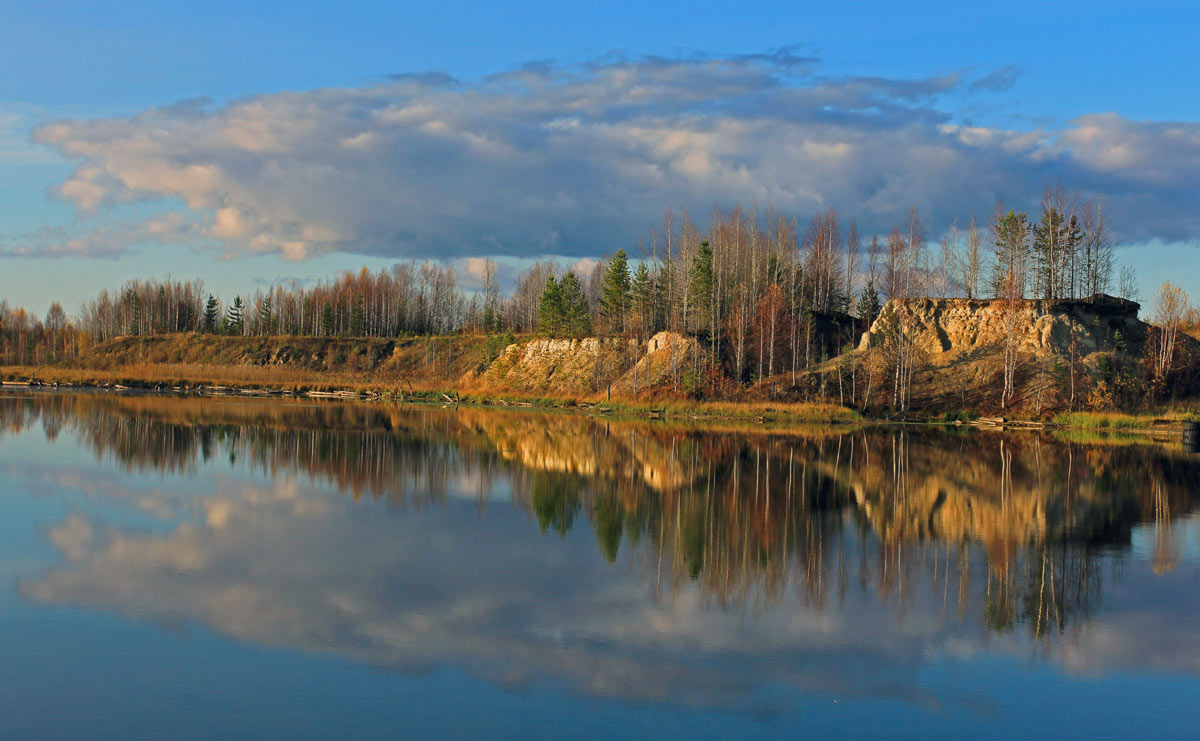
(1124, 421)
(191, 377)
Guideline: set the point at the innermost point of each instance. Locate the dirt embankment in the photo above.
(952, 327)
(960, 347)
(543, 366)
(592, 364)
(283, 362)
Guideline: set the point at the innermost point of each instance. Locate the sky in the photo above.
(250, 143)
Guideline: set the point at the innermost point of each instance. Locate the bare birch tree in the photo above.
(1168, 316)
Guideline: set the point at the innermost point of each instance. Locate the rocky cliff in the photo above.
(591, 364)
(957, 326)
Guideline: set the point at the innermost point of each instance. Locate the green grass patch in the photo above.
(1122, 421)
(955, 415)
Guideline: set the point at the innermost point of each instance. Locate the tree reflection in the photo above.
(1025, 522)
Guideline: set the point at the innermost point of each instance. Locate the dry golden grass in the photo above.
(191, 375)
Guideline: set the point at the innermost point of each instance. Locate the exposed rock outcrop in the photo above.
(955, 326)
(592, 364)
(561, 365)
(667, 355)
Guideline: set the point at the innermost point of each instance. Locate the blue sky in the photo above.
(619, 110)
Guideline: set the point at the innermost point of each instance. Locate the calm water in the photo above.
(226, 568)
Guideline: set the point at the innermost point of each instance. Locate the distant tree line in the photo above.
(25, 339)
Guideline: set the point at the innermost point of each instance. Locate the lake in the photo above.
(236, 568)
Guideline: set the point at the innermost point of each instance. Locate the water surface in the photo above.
(187, 567)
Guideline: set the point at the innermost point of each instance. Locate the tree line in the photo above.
(768, 296)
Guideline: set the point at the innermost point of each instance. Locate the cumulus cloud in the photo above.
(577, 160)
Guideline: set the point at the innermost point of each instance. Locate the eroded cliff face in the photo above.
(957, 326)
(592, 364)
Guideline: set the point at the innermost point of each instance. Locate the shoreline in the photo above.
(1161, 425)
(403, 392)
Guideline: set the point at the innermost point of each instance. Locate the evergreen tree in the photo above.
(1009, 273)
(135, 313)
(162, 305)
(551, 313)
(577, 322)
(1074, 246)
(211, 310)
(234, 319)
(266, 318)
(358, 320)
(644, 298)
(700, 287)
(1056, 245)
(327, 320)
(615, 293)
(775, 273)
(868, 304)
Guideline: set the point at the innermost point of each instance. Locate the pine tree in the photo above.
(1049, 253)
(1076, 278)
(551, 314)
(211, 310)
(1012, 255)
(615, 298)
(577, 323)
(700, 287)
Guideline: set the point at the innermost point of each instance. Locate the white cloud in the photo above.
(579, 160)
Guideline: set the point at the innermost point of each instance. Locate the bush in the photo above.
(956, 415)
(492, 348)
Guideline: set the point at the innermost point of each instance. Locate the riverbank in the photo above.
(252, 380)
(255, 381)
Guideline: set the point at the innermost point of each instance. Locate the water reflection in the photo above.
(718, 563)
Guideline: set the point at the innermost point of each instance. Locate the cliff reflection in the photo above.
(1016, 531)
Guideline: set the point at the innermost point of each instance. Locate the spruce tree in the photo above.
(327, 320)
(211, 310)
(266, 318)
(135, 312)
(358, 319)
(614, 298)
(551, 315)
(234, 319)
(700, 287)
(868, 304)
(643, 297)
(577, 323)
